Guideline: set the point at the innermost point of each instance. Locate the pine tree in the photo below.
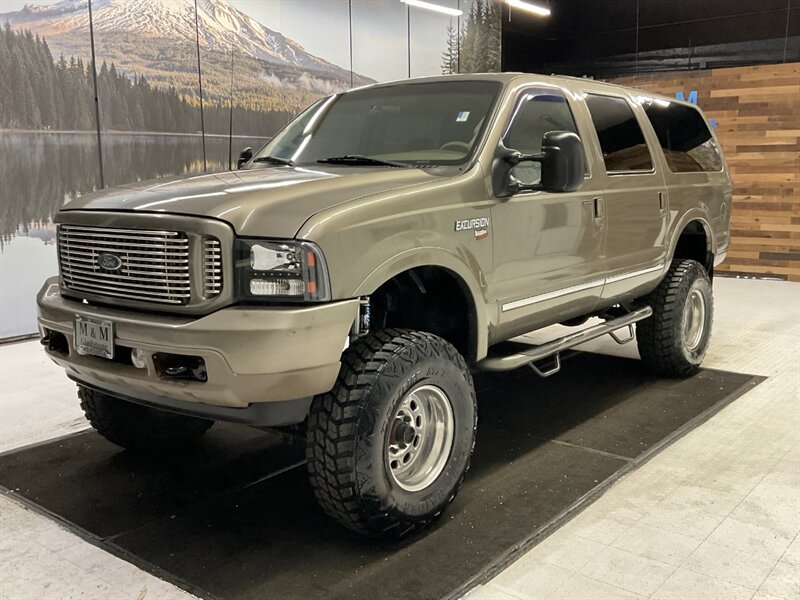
(450, 55)
(480, 38)
(37, 91)
(492, 27)
(470, 39)
(5, 74)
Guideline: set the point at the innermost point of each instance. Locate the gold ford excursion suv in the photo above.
(354, 271)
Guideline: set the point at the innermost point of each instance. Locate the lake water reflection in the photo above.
(39, 172)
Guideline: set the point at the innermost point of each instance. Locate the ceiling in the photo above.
(602, 37)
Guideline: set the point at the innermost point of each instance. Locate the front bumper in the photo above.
(252, 355)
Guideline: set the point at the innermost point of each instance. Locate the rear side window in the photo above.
(621, 138)
(684, 136)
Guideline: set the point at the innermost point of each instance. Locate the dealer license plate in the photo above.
(94, 336)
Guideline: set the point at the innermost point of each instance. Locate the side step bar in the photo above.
(537, 353)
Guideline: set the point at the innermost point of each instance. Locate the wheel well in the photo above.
(432, 299)
(694, 244)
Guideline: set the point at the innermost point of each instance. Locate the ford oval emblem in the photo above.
(109, 262)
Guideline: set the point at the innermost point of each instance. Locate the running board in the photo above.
(554, 348)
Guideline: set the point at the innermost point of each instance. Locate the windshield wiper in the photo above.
(275, 160)
(360, 159)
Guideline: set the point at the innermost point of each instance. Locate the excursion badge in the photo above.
(479, 226)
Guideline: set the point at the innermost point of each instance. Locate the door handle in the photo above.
(661, 200)
(599, 209)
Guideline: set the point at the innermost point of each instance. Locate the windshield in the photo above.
(414, 124)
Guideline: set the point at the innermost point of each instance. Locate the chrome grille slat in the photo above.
(105, 292)
(91, 236)
(115, 231)
(212, 265)
(122, 278)
(155, 264)
(109, 248)
(132, 290)
(159, 261)
(148, 267)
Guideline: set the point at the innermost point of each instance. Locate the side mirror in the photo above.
(244, 157)
(561, 158)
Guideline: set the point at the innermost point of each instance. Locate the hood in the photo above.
(264, 202)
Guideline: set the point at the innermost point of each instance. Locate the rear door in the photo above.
(634, 200)
(693, 166)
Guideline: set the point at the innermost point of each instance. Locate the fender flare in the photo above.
(438, 257)
(690, 216)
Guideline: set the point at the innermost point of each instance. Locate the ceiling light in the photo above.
(527, 6)
(453, 12)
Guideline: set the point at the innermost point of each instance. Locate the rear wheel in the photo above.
(138, 427)
(674, 340)
(390, 444)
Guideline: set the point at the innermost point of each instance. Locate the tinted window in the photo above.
(621, 138)
(417, 123)
(684, 136)
(537, 113)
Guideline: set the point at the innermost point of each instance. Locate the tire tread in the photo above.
(333, 430)
(656, 336)
(138, 427)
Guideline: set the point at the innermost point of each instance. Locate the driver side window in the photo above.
(537, 112)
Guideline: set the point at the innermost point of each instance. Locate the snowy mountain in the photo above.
(221, 26)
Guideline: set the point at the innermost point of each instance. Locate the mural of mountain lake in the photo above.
(40, 172)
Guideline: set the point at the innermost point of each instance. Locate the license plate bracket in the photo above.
(94, 337)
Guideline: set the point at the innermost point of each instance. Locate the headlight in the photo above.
(274, 270)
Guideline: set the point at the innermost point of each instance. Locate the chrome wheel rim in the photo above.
(694, 319)
(420, 438)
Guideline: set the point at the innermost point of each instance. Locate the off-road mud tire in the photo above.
(348, 431)
(138, 427)
(661, 338)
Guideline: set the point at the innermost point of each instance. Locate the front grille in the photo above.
(144, 265)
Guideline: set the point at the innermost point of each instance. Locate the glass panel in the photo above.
(300, 51)
(621, 138)
(215, 67)
(480, 36)
(380, 39)
(431, 54)
(684, 136)
(538, 113)
(51, 156)
(418, 123)
(148, 89)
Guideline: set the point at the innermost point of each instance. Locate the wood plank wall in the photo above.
(758, 114)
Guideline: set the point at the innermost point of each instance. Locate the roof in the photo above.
(508, 78)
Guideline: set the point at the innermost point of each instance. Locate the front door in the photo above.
(547, 246)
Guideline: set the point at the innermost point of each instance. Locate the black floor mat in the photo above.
(235, 518)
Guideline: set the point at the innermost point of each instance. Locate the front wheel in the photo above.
(674, 340)
(136, 427)
(390, 444)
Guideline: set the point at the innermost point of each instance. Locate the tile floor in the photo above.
(716, 515)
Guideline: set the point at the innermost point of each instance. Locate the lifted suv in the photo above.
(355, 269)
